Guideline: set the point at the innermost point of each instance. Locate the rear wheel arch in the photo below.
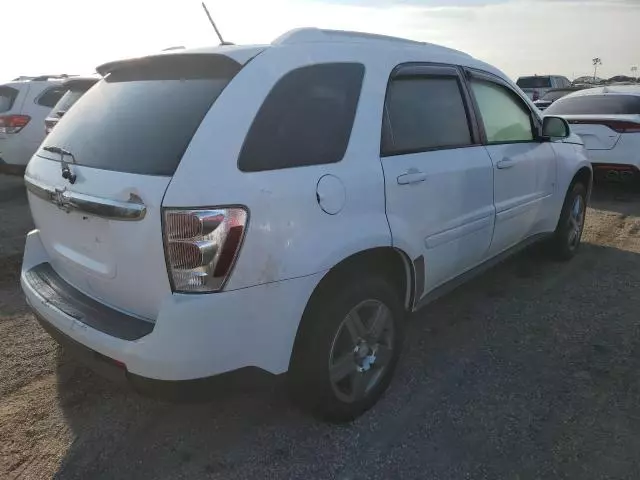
(393, 264)
(585, 176)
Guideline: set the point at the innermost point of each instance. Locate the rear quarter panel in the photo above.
(288, 234)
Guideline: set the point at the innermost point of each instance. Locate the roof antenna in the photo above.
(206, 10)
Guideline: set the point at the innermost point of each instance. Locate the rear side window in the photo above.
(534, 82)
(306, 119)
(424, 113)
(142, 116)
(51, 96)
(7, 97)
(612, 104)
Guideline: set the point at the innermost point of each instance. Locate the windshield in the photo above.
(140, 118)
(534, 82)
(596, 104)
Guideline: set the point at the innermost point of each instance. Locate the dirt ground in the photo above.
(530, 371)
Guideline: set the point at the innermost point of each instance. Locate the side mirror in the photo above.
(555, 128)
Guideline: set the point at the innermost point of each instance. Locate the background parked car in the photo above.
(23, 107)
(536, 86)
(75, 88)
(553, 95)
(624, 79)
(588, 80)
(608, 120)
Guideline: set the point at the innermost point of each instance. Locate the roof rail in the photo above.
(311, 35)
(47, 77)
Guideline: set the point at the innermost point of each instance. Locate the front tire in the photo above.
(347, 348)
(568, 234)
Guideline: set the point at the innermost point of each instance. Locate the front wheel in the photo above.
(568, 234)
(347, 349)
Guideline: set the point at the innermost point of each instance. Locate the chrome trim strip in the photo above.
(131, 210)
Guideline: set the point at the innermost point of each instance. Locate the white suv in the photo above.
(23, 107)
(283, 207)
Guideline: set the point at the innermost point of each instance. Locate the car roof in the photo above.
(609, 90)
(538, 76)
(22, 83)
(307, 36)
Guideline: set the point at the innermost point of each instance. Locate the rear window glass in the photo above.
(141, 118)
(66, 101)
(305, 120)
(596, 104)
(51, 96)
(71, 96)
(7, 97)
(534, 82)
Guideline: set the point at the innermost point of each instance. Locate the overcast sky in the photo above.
(518, 36)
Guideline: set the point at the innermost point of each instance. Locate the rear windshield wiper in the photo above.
(66, 171)
(60, 151)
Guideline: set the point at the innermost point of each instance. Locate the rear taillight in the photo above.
(49, 123)
(620, 126)
(625, 127)
(13, 123)
(201, 246)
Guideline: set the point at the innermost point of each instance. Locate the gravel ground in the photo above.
(530, 371)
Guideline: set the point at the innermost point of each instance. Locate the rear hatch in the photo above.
(122, 141)
(602, 132)
(76, 87)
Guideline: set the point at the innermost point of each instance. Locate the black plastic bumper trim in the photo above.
(54, 290)
(200, 389)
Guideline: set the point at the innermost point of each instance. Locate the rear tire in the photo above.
(347, 348)
(566, 239)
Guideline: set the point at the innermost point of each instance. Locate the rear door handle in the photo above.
(411, 177)
(506, 163)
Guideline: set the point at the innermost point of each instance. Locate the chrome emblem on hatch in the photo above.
(59, 199)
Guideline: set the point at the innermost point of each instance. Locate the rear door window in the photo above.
(424, 113)
(306, 119)
(51, 96)
(141, 117)
(596, 104)
(8, 96)
(534, 82)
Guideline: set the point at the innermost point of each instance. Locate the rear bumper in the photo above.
(168, 390)
(194, 336)
(614, 156)
(613, 172)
